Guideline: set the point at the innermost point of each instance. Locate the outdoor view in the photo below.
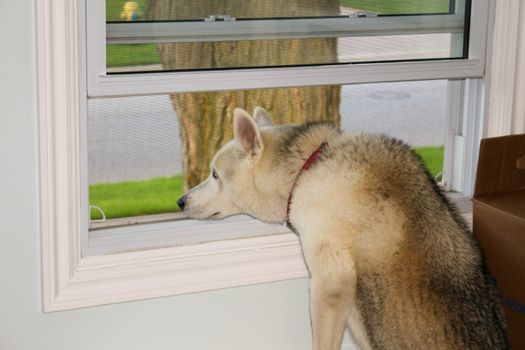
(339, 48)
(145, 151)
(138, 164)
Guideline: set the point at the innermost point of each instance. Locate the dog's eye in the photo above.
(214, 174)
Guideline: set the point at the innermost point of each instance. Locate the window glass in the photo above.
(174, 35)
(121, 10)
(275, 53)
(144, 151)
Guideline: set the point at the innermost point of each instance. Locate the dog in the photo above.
(387, 253)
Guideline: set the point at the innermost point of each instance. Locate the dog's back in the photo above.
(427, 286)
(387, 253)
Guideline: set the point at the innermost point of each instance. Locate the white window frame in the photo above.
(270, 29)
(101, 84)
(71, 279)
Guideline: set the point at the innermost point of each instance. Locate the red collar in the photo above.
(314, 157)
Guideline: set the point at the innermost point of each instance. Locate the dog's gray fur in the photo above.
(388, 254)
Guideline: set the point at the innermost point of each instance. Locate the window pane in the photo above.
(142, 150)
(121, 10)
(173, 35)
(272, 53)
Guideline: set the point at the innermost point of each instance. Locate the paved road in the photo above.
(137, 137)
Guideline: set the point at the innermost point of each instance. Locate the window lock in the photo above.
(362, 14)
(219, 18)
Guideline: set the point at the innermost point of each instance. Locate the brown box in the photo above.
(499, 223)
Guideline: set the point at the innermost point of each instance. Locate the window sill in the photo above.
(95, 225)
(198, 267)
(177, 270)
(156, 235)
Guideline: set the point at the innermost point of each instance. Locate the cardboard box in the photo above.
(499, 224)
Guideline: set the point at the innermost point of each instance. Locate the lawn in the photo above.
(128, 55)
(159, 195)
(400, 6)
(131, 55)
(134, 198)
(432, 157)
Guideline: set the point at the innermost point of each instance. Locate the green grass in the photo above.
(128, 55)
(131, 55)
(399, 7)
(159, 195)
(134, 198)
(432, 157)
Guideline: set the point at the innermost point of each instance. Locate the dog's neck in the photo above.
(314, 157)
(300, 142)
(301, 146)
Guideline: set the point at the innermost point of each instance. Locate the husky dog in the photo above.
(388, 255)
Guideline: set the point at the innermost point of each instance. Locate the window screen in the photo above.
(145, 151)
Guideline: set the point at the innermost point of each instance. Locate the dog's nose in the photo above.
(181, 202)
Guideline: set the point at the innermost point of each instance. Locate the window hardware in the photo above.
(362, 14)
(219, 18)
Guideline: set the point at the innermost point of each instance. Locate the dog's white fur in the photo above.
(360, 217)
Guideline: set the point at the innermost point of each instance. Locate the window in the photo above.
(337, 39)
(194, 37)
(128, 69)
(135, 158)
(144, 150)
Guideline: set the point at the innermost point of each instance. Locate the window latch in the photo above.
(219, 18)
(362, 14)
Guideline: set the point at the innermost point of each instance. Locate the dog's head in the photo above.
(238, 181)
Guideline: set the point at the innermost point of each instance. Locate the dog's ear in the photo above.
(247, 134)
(261, 117)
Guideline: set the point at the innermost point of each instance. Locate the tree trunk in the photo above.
(206, 118)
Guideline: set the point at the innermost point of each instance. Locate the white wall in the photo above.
(272, 316)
